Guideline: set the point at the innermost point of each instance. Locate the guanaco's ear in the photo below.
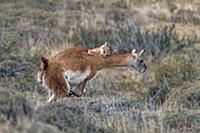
(133, 52)
(43, 63)
(139, 54)
(105, 43)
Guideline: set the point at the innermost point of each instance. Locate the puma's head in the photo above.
(106, 50)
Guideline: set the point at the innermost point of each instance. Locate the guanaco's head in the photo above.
(41, 70)
(138, 63)
(106, 50)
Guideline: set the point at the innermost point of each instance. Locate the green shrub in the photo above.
(174, 70)
(185, 96)
(170, 72)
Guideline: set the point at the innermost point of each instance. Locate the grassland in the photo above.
(164, 99)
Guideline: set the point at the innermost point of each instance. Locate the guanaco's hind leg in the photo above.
(69, 91)
(68, 86)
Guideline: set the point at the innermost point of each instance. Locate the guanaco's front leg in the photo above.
(83, 84)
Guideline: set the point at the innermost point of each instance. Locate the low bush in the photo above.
(13, 106)
(68, 118)
(170, 72)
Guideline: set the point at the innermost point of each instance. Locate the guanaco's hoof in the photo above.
(71, 93)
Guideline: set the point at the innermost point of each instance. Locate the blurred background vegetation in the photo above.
(164, 99)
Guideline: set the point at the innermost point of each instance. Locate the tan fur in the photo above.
(105, 50)
(74, 59)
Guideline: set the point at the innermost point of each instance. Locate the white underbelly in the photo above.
(76, 77)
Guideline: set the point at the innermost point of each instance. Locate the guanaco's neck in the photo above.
(116, 61)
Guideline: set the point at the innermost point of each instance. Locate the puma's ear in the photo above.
(43, 63)
(133, 52)
(103, 45)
